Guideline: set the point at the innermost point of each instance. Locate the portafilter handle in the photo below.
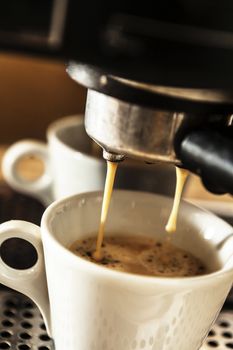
(209, 154)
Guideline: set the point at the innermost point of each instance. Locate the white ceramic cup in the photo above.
(91, 307)
(71, 166)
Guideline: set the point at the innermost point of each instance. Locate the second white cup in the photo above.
(70, 165)
(73, 164)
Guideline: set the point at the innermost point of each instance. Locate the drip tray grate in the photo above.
(221, 335)
(22, 326)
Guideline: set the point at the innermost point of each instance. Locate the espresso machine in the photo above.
(159, 76)
(160, 89)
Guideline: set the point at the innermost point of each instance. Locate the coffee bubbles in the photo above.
(141, 255)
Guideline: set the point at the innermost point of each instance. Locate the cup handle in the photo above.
(41, 188)
(31, 281)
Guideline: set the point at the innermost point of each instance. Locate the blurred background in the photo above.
(34, 92)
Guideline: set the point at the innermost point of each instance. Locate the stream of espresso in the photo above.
(181, 176)
(109, 182)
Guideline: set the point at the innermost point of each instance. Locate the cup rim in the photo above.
(65, 122)
(137, 279)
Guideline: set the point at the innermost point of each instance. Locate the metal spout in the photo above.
(113, 157)
(123, 129)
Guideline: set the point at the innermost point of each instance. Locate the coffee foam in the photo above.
(141, 255)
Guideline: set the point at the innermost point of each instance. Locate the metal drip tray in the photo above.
(22, 326)
(221, 335)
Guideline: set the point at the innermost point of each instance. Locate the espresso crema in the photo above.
(141, 255)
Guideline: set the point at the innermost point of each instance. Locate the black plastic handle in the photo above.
(209, 154)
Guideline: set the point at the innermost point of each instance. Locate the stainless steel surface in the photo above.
(138, 132)
(204, 95)
(135, 131)
(22, 326)
(112, 157)
(221, 335)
